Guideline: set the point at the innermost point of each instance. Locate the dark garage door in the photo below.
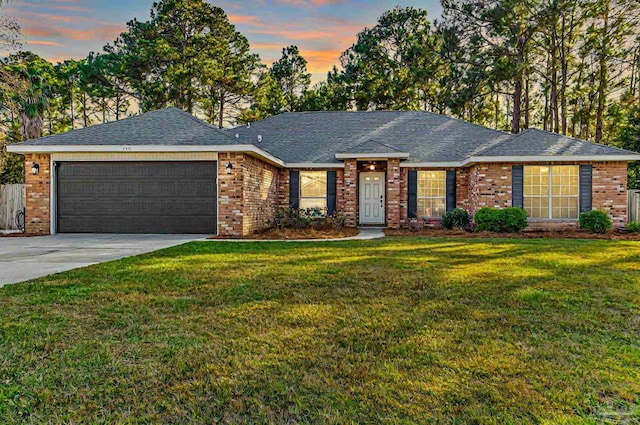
(137, 197)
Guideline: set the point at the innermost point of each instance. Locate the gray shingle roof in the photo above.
(317, 136)
(534, 142)
(170, 126)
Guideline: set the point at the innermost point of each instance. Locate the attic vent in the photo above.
(237, 136)
(259, 138)
(248, 125)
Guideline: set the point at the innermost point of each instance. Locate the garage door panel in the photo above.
(113, 188)
(137, 207)
(137, 197)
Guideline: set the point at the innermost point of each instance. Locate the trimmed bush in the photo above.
(456, 219)
(510, 220)
(487, 220)
(513, 219)
(291, 218)
(595, 221)
(634, 227)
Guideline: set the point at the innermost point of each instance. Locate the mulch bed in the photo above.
(527, 234)
(293, 234)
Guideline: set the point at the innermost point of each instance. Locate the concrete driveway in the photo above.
(28, 258)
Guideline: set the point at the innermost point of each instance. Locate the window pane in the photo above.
(557, 186)
(432, 192)
(313, 183)
(306, 203)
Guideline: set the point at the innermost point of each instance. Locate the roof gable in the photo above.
(535, 142)
(169, 126)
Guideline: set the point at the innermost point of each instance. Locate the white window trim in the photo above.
(418, 198)
(322, 198)
(550, 195)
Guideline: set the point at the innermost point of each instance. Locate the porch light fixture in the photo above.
(229, 167)
(372, 166)
(35, 168)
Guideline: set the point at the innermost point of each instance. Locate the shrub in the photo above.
(513, 219)
(487, 220)
(595, 221)
(510, 220)
(634, 227)
(456, 219)
(298, 218)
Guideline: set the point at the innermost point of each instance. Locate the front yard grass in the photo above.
(404, 330)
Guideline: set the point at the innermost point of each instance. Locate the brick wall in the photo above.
(283, 188)
(230, 191)
(350, 197)
(462, 188)
(38, 194)
(489, 186)
(260, 194)
(248, 196)
(393, 193)
(609, 187)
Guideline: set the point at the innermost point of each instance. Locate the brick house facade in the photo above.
(255, 179)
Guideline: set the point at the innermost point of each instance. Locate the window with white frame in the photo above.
(313, 189)
(432, 193)
(551, 191)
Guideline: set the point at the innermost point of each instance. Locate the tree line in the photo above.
(567, 66)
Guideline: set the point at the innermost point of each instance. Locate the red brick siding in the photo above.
(230, 194)
(462, 188)
(393, 194)
(38, 195)
(283, 188)
(248, 196)
(350, 200)
(609, 187)
(260, 194)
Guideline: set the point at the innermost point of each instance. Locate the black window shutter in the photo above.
(331, 192)
(451, 190)
(412, 185)
(517, 186)
(585, 188)
(294, 189)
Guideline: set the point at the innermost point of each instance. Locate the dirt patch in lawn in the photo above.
(526, 234)
(294, 234)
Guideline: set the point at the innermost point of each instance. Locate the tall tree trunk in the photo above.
(602, 74)
(527, 106)
(221, 110)
(73, 119)
(517, 102)
(85, 117)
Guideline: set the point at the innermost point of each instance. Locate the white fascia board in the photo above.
(519, 159)
(552, 158)
(401, 155)
(315, 165)
(144, 148)
(429, 164)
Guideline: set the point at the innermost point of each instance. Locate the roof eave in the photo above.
(250, 149)
(400, 155)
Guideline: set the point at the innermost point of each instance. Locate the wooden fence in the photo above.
(11, 201)
(633, 205)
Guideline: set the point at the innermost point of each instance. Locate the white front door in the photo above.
(372, 198)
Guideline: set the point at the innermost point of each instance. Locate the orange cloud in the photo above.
(99, 32)
(43, 43)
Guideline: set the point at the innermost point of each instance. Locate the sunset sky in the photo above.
(323, 29)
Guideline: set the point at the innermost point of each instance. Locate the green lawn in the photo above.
(390, 331)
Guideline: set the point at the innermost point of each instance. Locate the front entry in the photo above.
(372, 198)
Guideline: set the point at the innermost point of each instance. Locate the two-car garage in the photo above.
(135, 196)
